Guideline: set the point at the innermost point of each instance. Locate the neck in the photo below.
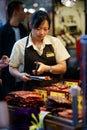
(37, 41)
(14, 22)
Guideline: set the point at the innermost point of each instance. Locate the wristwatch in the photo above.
(50, 69)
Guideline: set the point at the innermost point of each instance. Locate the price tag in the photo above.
(79, 99)
(57, 94)
(69, 83)
(80, 102)
(43, 93)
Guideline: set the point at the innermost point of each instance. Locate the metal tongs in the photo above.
(40, 78)
(37, 65)
(36, 77)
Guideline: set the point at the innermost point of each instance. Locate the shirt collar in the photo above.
(46, 41)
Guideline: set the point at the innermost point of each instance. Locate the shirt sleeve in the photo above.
(61, 52)
(17, 55)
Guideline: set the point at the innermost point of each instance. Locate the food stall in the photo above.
(69, 118)
(57, 100)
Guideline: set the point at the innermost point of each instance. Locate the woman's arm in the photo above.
(59, 68)
(15, 73)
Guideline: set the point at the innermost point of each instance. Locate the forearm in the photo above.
(60, 68)
(14, 72)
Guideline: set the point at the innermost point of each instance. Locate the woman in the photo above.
(38, 51)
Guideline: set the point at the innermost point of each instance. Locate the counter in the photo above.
(51, 122)
(57, 123)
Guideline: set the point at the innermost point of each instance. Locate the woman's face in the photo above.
(40, 32)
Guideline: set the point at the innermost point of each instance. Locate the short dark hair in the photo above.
(13, 5)
(38, 17)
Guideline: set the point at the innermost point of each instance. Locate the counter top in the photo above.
(53, 122)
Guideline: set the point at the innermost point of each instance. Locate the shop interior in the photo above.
(68, 23)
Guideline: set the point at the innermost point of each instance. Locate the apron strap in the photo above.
(27, 41)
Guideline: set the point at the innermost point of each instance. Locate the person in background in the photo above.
(12, 31)
(39, 53)
(26, 20)
(4, 62)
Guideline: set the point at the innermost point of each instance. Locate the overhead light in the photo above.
(43, 9)
(25, 10)
(35, 4)
(31, 10)
(68, 3)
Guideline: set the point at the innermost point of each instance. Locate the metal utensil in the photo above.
(37, 77)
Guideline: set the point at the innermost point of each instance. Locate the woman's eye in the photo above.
(45, 29)
(38, 29)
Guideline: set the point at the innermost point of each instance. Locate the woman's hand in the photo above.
(24, 77)
(42, 68)
(59, 68)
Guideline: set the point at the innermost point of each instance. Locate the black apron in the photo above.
(48, 58)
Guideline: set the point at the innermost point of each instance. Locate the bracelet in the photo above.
(50, 69)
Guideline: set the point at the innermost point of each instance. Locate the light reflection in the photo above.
(68, 3)
(43, 9)
(25, 10)
(31, 10)
(35, 4)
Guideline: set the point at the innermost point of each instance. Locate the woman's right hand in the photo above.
(24, 77)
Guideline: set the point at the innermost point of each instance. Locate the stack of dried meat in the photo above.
(25, 99)
(57, 103)
(58, 87)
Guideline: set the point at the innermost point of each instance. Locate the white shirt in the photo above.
(17, 33)
(17, 55)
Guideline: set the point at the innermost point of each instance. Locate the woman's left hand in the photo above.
(42, 68)
(59, 68)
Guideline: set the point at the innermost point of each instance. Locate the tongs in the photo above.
(40, 78)
(37, 65)
(36, 77)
